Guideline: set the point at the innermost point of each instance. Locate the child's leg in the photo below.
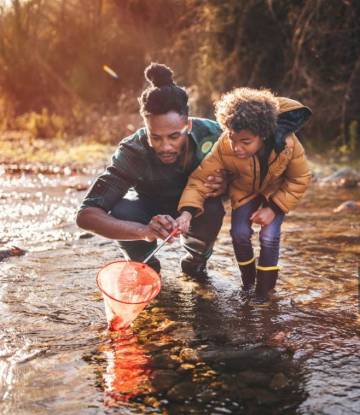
(269, 256)
(241, 233)
(270, 242)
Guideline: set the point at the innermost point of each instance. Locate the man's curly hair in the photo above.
(250, 109)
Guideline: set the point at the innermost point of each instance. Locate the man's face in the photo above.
(244, 143)
(167, 135)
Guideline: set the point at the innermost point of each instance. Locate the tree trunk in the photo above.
(351, 109)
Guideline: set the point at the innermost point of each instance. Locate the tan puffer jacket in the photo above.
(287, 178)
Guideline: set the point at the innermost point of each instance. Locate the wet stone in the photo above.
(247, 393)
(86, 235)
(157, 346)
(185, 367)
(207, 395)
(189, 355)
(279, 381)
(253, 378)
(234, 360)
(182, 391)
(13, 251)
(163, 380)
(163, 361)
(265, 397)
(349, 206)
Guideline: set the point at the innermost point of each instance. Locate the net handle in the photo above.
(173, 232)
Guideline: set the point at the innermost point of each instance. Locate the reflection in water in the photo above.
(198, 348)
(127, 368)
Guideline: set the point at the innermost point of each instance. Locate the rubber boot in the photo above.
(248, 274)
(154, 263)
(194, 266)
(265, 282)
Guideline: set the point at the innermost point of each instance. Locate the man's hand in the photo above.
(216, 183)
(183, 221)
(263, 216)
(159, 227)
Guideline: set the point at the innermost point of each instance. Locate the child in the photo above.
(269, 176)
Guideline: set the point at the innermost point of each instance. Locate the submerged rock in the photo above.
(163, 361)
(189, 355)
(253, 378)
(345, 177)
(348, 206)
(234, 360)
(182, 391)
(86, 235)
(279, 381)
(163, 380)
(13, 251)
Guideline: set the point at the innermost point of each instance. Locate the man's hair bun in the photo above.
(159, 75)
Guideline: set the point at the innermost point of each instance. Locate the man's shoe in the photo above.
(154, 263)
(195, 268)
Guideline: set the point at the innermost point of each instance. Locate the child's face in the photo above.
(244, 143)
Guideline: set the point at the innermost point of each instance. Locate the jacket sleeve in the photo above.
(297, 178)
(110, 187)
(194, 194)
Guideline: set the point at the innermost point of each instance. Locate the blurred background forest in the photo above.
(52, 82)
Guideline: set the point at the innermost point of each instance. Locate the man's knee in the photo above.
(213, 207)
(130, 210)
(207, 226)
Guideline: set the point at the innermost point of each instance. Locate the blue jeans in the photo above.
(241, 233)
(199, 241)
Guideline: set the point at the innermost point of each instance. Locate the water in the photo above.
(198, 348)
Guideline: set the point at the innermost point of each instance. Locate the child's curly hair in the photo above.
(248, 109)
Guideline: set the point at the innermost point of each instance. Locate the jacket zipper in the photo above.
(277, 156)
(254, 171)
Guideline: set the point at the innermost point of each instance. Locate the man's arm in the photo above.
(107, 190)
(96, 220)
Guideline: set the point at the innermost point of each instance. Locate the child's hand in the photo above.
(183, 221)
(263, 216)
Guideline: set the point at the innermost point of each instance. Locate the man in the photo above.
(135, 200)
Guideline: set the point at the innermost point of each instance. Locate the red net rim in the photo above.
(155, 293)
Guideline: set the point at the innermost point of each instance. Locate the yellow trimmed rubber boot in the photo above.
(248, 274)
(266, 278)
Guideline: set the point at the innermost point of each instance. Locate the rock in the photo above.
(253, 378)
(234, 360)
(246, 394)
(182, 391)
(185, 367)
(207, 395)
(163, 380)
(183, 334)
(348, 206)
(264, 397)
(163, 361)
(13, 251)
(156, 346)
(279, 381)
(189, 355)
(345, 177)
(86, 235)
(167, 326)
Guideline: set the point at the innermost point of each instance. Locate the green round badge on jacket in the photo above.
(206, 147)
